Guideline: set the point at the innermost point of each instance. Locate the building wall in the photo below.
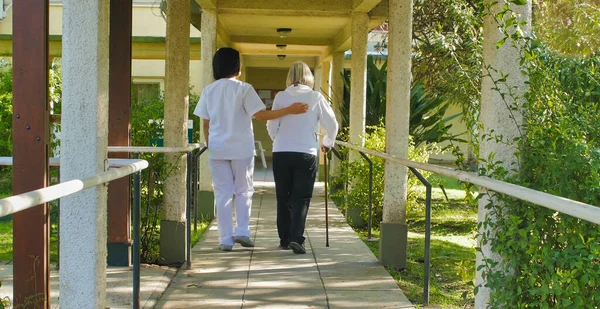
(147, 22)
(458, 127)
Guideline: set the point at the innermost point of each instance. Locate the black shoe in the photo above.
(282, 247)
(297, 248)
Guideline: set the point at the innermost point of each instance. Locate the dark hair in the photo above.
(226, 63)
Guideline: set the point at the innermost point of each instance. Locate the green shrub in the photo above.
(356, 175)
(146, 129)
(550, 260)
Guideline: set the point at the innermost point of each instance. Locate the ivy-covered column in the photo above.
(358, 87)
(177, 76)
(500, 116)
(337, 98)
(206, 195)
(393, 241)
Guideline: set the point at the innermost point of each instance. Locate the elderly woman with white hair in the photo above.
(295, 147)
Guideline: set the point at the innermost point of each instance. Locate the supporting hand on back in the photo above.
(297, 108)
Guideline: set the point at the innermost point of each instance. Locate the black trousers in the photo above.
(294, 174)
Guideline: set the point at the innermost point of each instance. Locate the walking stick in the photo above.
(326, 198)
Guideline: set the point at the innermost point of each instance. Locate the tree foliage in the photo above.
(548, 259)
(427, 123)
(569, 26)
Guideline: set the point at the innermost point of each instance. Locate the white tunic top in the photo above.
(229, 104)
(297, 133)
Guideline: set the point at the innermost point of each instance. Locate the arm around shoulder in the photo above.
(296, 108)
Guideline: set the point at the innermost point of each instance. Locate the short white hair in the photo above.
(300, 73)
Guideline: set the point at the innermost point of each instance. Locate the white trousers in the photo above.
(233, 178)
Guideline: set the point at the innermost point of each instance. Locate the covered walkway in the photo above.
(344, 275)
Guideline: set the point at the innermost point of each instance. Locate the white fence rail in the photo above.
(16, 203)
(576, 209)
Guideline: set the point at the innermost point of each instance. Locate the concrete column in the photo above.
(337, 98)
(358, 81)
(496, 116)
(325, 79)
(84, 142)
(393, 241)
(317, 87)
(206, 196)
(243, 75)
(317, 74)
(177, 78)
(323, 87)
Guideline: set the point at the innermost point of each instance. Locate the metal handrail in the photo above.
(580, 210)
(74, 186)
(193, 152)
(573, 208)
(141, 149)
(20, 202)
(37, 197)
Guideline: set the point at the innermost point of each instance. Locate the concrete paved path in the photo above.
(119, 281)
(344, 275)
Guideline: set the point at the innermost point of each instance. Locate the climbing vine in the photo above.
(547, 259)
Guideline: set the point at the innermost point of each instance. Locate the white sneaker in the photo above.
(245, 241)
(225, 247)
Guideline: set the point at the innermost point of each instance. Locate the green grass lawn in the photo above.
(453, 244)
(6, 240)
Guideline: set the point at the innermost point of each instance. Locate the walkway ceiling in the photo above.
(318, 27)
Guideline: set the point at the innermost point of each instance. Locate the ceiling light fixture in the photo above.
(284, 32)
(281, 47)
(281, 57)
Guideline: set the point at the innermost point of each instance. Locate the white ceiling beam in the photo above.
(278, 40)
(222, 34)
(286, 8)
(274, 62)
(271, 51)
(364, 6)
(207, 4)
(343, 39)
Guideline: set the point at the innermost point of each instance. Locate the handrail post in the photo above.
(427, 234)
(188, 215)
(370, 223)
(196, 183)
(136, 237)
(58, 225)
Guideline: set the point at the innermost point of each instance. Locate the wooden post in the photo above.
(30, 151)
(119, 124)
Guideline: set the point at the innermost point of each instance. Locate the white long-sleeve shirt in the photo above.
(297, 133)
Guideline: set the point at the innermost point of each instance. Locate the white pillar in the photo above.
(326, 79)
(337, 84)
(358, 84)
(209, 43)
(244, 72)
(496, 116)
(337, 98)
(84, 153)
(393, 229)
(397, 108)
(177, 75)
(318, 75)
